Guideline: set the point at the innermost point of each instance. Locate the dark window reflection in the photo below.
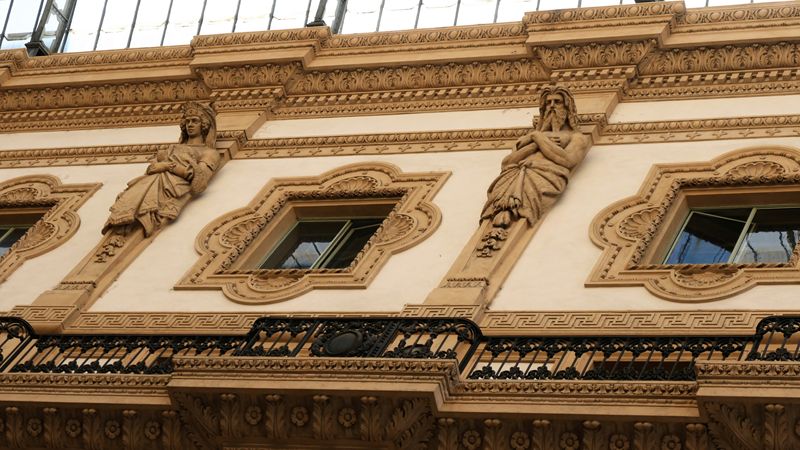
(771, 237)
(315, 244)
(709, 236)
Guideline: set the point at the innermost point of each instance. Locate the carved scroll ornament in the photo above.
(633, 231)
(59, 223)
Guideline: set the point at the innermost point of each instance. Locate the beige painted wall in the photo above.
(408, 277)
(549, 276)
(45, 271)
(551, 272)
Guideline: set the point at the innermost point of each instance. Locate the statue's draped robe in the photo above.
(155, 198)
(526, 189)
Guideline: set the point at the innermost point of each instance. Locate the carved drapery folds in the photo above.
(178, 172)
(633, 232)
(536, 172)
(227, 242)
(58, 203)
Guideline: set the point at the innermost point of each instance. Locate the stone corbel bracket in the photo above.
(633, 232)
(223, 244)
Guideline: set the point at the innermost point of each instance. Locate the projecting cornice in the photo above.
(649, 51)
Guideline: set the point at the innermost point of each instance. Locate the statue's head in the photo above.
(205, 114)
(557, 109)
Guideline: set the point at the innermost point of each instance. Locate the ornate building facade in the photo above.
(574, 231)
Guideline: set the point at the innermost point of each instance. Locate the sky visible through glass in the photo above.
(114, 24)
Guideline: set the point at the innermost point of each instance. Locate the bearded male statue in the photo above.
(536, 172)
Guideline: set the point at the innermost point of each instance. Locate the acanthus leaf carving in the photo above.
(776, 427)
(411, 425)
(730, 428)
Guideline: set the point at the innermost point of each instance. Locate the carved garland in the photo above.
(629, 230)
(220, 243)
(57, 225)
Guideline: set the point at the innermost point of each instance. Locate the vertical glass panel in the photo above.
(437, 13)
(328, 15)
(218, 17)
(772, 237)
(84, 25)
(474, 12)
(117, 24)
(150, 23)
(513, 10)
(50, 30)
(292, 14)
(182, 26)
(303, 245)
(21, 23)
(399, 15)
(557, 4)
(355, 240)
(254, 15)
(9, 237)
(590, 3)
(361, 16)
(4, 4)
(709, 237)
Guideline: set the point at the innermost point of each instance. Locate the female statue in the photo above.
(177, 173)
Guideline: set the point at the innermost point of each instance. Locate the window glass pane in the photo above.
(183, 22)
(50, 30)
(292, 14)
(513, 10)
(772, 236)
(117, 24)
(355, 240)
(9, 238)
(557, 4)
(84, 25)
(150, 23)
(709, 236)
(304, 244)
(4, 4)
(20, 23)
(399, 15)
(253, 15)
(361, 16)
(218, 17)
(476, 11)
(437, 13)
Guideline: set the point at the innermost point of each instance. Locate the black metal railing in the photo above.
(478, 356)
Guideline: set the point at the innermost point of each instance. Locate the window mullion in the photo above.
(742, 236)
(677, 238)
(5, 235)
(334, 247)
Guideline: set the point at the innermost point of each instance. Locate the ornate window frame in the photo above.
(59, 222)
(224, 243)
(635, 233)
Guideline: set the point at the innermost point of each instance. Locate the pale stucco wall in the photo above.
(549, 276)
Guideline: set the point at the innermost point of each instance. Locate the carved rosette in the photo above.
(60, 221)
(225, 244)
(630, 230)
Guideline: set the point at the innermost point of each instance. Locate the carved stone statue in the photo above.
(536, 172)
(177, 173)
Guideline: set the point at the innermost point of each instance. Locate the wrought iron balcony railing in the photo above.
(478, 356)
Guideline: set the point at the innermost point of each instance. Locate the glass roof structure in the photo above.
(49, 26)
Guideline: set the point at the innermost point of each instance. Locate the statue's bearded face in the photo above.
(555, 112)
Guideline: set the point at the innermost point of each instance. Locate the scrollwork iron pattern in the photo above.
(479, 357)
(15, 334)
